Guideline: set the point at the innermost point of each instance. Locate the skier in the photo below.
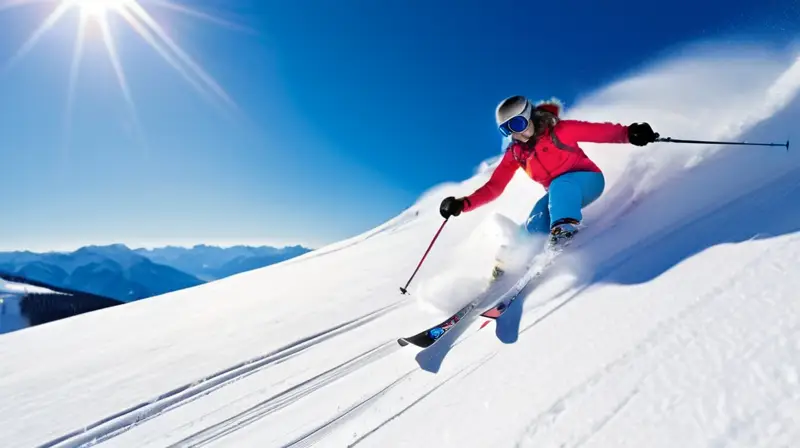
(546, 148)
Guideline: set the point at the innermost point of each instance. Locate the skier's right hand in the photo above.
(451, 207)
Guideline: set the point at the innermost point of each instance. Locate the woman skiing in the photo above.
(546, 148)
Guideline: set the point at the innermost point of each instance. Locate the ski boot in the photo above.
(505, 232)
(499, 263)
(562, 231)
(512, 255)
(497, 272)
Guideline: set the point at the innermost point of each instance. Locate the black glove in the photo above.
(451, 207)
(640, 134)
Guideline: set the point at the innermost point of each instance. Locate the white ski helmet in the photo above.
(511, 107)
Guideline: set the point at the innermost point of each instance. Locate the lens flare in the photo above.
(141, 21)
(97, 8)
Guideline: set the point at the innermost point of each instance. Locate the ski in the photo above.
(428, 337)
(531, 274)
(536, 268)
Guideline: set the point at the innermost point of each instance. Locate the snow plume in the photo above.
(707, 93)
(710, 94)
(467, 269)
(728, 95)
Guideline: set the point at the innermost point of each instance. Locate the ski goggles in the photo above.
(517, 123)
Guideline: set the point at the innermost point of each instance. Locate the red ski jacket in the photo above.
(552, 154)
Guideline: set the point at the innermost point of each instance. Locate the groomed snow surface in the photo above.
(674, 323)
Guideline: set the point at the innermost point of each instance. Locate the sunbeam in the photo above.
(142, 15)
(77, 54)
(146, 33)
(139, 19)
(98, 8)
(201, 15)
(123, 83)
(48, 23)
(8, 4)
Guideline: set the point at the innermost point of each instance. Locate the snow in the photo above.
(7, 287)
(674, 323)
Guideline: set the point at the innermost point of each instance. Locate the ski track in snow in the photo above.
(287, 397)
(465, 370)
(116, 424)
(320, 432)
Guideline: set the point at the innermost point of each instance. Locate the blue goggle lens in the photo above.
(515, 124)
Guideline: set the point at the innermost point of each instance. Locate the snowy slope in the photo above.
(674, 322)
(12, 316)
(7, 287)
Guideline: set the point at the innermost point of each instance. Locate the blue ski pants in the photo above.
(567, 195)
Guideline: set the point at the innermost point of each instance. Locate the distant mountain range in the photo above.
(213, 262)
(125, 274)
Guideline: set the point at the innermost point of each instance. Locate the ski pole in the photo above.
(404, 289)
(672, 140)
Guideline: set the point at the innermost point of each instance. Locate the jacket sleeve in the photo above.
(574, 131)
(496, 184)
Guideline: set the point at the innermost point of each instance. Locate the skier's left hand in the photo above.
(640, 134)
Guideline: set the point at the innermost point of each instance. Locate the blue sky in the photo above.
(345, 111)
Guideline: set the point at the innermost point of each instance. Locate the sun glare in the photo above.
(139, 19)
(97, 8)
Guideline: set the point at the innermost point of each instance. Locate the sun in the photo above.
(98, 8)
(136, 16)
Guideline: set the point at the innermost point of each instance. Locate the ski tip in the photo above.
(402, 342)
